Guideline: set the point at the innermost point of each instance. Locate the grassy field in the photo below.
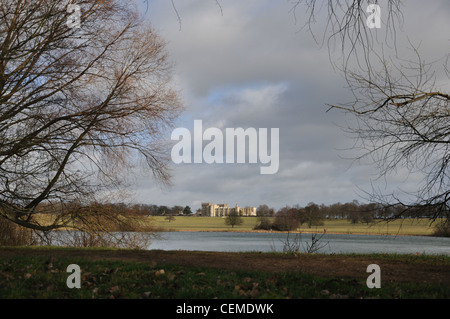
(398, 227)
(41, 273)
(419, 227)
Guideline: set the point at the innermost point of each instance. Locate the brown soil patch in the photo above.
(417, 271)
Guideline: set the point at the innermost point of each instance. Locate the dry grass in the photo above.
(411, 227)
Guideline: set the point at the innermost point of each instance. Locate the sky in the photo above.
(250, 64)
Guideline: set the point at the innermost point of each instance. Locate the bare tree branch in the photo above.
(401, 113)
(79, 106)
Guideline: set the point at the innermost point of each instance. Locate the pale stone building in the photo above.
(223, 210)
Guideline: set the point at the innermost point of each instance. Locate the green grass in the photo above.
(192, 223)
(44, 277)
(398, 227)
(420, 227)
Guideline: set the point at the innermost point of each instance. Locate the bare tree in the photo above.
(80, 106)
(344, 26)
(265, 211)
(403, 122)
(234, 219)
(400, 107)
(286, 219)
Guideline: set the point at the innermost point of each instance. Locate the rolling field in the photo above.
(399, 227)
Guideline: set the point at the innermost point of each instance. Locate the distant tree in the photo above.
(187, 211)
(336, 210)
(170, 217)
(367, 217)
(152, 210)
(324, 211)
(263, 223)
(265, 211)
(354, 216)
(162, 210)
(348, 209)
(368, 212)
(176, 210)
(311, 215)
(233, 219)
(286, 219)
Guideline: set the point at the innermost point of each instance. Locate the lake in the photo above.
(269, 242)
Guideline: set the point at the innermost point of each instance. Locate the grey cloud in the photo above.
(252, 68)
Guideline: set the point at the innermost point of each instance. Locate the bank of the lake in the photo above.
(401, 227)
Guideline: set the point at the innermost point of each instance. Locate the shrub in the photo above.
(12, 234)
(442, 229)
(264, 224)
(286, 220)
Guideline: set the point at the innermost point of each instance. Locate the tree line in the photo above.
(287, 218)
(292, 217)
(312, 214)
(122, 208)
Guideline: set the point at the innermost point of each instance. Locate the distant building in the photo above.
(223, 210)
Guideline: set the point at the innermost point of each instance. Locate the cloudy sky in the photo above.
(250, 64)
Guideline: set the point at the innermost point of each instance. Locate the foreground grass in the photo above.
(45, 277)
(397, 227)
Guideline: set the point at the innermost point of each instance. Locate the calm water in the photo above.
(267, 242)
